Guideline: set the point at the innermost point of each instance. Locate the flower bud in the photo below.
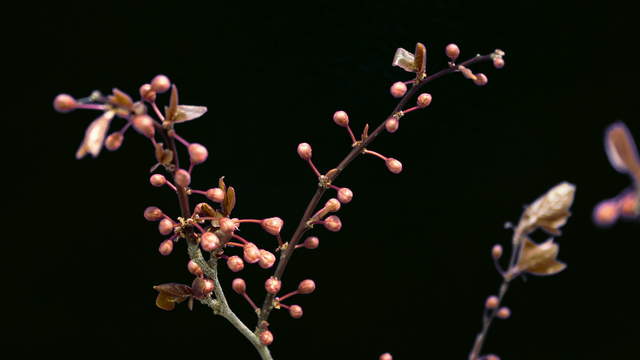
(235, 263)
(166, 247)
(194, 268)
(239, 286)
(398, 89)
(424, 100)
(295, 311)
(251, 253)
(160, 84)
(386, 356)
(165, 226)
(272, 225)
(272, 285)
(202, 287)
(341, 118)
(393, 165)
(452, 51)
(628, 204)
(64, 103)
(345, 195)
(311, 242)
(332, 205)
(267, 259)
(266, 337)
(333, 223)
(503, 313)
(182, 178)
(215, 194)
(306, 286)
(496, 251)
(144, 125)
(227, 225)
(392, 124)
(114, 141)
(304, 151)
(498, 62)
(209, 241)
(198, 153)
(153, 213)
(157, 180)
(492, 302)
(147, 93)
(491, 357)
(606, 213)
(481, 79)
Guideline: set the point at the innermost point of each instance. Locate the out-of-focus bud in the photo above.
(481, 79)
(306, 286)
(194, 268)
(153, 213)
(628, 204)
(332, 205)
(166, 247)
(492, 302)
(333, 223)
(165, 226)
(393, 165)
(498, 62)
(144, 125)
(215, 194)
(272, 225)
(496, 251)
(341, 118)
(266, 337)
(311, 242)
(235, 263)
(198, 153)
(398, 89)
(239, 286)
(345, 195)
(147, 93)
(114, 141)
(295, 311)
(424, 100)
(392, 124)
(267, 259)
(64, 103)
(272, 285)
(452, 51)
(157, 180)
(606, 213)
(209, 241)
(304, 151)
(160, 84)
(503, 313)
(182, 178)
(386, 356)
(251, 253)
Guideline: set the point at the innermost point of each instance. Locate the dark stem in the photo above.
(302, 227)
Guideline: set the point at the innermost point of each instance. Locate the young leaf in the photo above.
(621, 149)
(550, 211)
(229, 201)
(120, 99)
(405, 60)
(171, 293)
(188, 112)
(221, 184)
(539, 259)
(420, 61)
(171, 111)
(94, 135)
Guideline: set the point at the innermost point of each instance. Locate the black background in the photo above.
(411, 268)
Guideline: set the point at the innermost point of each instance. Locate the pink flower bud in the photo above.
(64, 103)
(153, 213)
(332, 205)
(215, 194)
(306, 286)
(491, 357)
(198, 153)
(144, 125)
(341, 118)
(272, 285)
(492, 302)
(202, 287)
(295, 311)
(114, 141)
(251, 253)
(424, 100)
(398, 89)
(503, 313)
(606, 213)
(227, 225)
(209, 241)
(392, 124)
(147, 93)
(481, 79)
(311, 242)
(452, 51)
(266, 337)
(194, 268)
(182, 178)
(267, 259)
(333, 223)
(628, 204)
(304, 151)
(165, 226)
(235, 263)
(157, 180)
(496, 251)
(386, 356)
(498, 62)
(393, 165)
(160, 84)
(239, 286)
(166, 247)
(272, 225)
(345, 195)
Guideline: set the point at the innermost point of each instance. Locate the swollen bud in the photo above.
(393, 165)
(64, 103)
(198, 153)
(157, 180)
(251, 253)
(332, 223)
(235, 263)
(194, 268)
(606, 213)
(306, 286)
(144, 125)
(452, 51)
(227, 225)
(345, 195)
(311, 242)
(182, 177)
(114, 141)
(209, 241)
(215, 194)
(341, 118)
(398, 89)
(147, 93)
(304, 151)
(295, 311)
(496, 251)
(166, 247)
(503, 313)
(165, 226)
(392, 124)
(272, 285)
(492, 302)
(498, 62)
(424, 100)
(160, 84)
(272, 225)
(386, 356)
(481, 79)
(202, 287)
(266, 337)
(239, 286)
(267, 259)
(153, 213)
(332, 205)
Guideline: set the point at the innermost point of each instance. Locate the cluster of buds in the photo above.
(623, 156)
